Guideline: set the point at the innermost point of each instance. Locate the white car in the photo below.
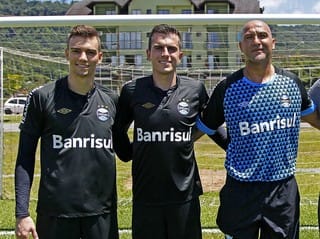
(15, 105)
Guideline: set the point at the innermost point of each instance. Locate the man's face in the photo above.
(83, 55)
(257, 42)
(165, 53)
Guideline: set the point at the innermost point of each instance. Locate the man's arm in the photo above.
(123, 121)
(121, 141)
(313, 119)
(220, 137)
(24, 171)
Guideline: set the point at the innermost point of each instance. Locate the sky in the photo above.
(290, 6)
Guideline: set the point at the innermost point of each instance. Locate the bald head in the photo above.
(257, 42)
(255, 24)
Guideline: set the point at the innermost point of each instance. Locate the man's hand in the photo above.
(24, 227)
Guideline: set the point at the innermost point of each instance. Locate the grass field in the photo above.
(210, 159)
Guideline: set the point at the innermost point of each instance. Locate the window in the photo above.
(239, 36)
(111, 12)
(138, 60)
(163, 11)
(130, 40)
(105, 9)
(111, 41)
(129, 60)
(124, 40)
(114, 60)
(187, 40)
(212, 11)
(213, 40)
(122, 60)
(136, 11)
(217, 37)
(135, 60)
(217, 8)
(186, 61)
(110, 9)
(186, 11)
(213, 62)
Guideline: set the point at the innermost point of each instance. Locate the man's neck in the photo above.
(164, 82)
(80, 86)
(260, 73)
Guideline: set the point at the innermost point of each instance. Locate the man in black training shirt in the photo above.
(164, 108)
(73, 117)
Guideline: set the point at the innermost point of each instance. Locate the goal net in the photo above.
(32, 49)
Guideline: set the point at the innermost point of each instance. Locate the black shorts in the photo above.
(270, 209)
(178, 221)
(103, 226)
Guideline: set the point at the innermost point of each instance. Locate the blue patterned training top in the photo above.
(263, 122)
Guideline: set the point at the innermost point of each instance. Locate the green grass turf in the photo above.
(210, 159)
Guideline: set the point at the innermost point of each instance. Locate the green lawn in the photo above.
(210, 159)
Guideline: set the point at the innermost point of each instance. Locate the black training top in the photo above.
(77, 159)
(164, 169)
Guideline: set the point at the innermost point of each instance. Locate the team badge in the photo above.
(103, 113)
(183, 107)
(285, 101)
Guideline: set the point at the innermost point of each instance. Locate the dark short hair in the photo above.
(84, 31)
(164, 29)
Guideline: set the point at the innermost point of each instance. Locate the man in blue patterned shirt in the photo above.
(262, 107)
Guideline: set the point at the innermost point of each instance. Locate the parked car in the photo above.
(14, 105)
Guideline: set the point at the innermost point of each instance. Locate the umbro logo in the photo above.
(64, 111)
(148, 105)
(244, 104)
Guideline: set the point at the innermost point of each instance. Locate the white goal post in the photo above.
(153, 19)
(1, 119)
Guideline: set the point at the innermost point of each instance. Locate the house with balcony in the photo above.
(206, 48)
